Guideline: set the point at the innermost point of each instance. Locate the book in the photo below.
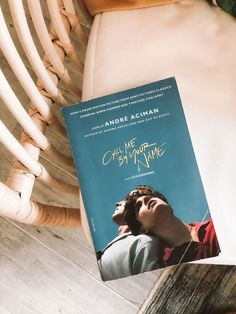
(139, 180)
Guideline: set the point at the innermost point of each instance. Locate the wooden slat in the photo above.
(5, 115)
(36, 280)
(72, 245)
(195, 289)
(5, 163)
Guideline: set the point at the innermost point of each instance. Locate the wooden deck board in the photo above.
(193, 289)
(72, 245)
(36, 280)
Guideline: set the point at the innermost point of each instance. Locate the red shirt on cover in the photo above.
(190, 251)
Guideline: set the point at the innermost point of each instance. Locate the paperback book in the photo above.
(139, 180)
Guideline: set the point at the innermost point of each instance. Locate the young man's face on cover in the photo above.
(118, 215)
(151, 211)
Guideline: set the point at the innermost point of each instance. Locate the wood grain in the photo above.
(72, 245)
(36, 280)
(193, 289)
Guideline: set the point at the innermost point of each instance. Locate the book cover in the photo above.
(139, 179)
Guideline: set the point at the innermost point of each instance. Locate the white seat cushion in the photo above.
(196, 43)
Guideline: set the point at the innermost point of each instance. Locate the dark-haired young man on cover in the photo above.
(183, 242)
(129, 254)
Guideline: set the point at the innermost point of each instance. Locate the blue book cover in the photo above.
(139, 179)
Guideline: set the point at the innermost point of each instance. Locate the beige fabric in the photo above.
(196, 43)
(112, 5)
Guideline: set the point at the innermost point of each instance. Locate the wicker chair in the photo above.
(46, 95)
